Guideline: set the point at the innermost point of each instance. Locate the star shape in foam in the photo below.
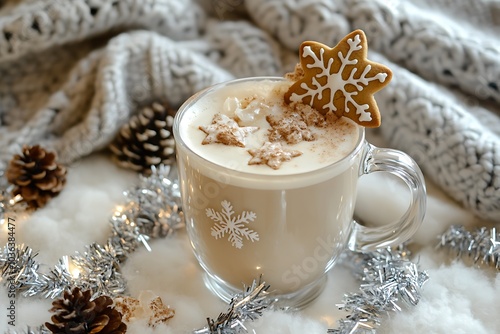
(271, 154)
(226, 130)
(340, 80)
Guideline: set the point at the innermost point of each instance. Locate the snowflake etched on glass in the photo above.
(225, 222)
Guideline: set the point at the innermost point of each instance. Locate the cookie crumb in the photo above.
(160, 313)
(311, 116)
(297, 74)
(129, 307)
(331, 117)
(147, 306)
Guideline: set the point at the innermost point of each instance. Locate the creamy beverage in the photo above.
(269, 170)
(257, 102)
(287, 224)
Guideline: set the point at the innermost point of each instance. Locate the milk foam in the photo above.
(332, 143)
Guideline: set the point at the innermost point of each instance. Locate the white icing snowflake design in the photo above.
(234, 226)
(335, 82)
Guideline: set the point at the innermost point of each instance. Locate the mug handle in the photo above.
(363, 238)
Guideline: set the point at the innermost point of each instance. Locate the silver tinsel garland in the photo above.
(389, 282)
(246, 306)
(152, 210)
(482, 246)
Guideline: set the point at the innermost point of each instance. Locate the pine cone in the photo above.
(76, 313)
(37, 175)
(147, 139)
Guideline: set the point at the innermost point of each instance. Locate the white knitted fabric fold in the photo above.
(47, 23)
(72, 72)
(450, 143)
(432, 45)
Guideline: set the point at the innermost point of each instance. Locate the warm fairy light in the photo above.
(328, 320)
(118, 210)
(74, 270)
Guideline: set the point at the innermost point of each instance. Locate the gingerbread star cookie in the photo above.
(292, 129)
(340, 80)
(226, 130)
(272, 154)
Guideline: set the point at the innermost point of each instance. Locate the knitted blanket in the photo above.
(73, 72)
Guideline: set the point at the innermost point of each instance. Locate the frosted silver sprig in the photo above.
(244, 307)
(18, 266)
(154, 206)
(52, 284)
(389, 282)
(98, 270)
(481, 246)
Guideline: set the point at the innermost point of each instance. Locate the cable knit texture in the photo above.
(72, 72)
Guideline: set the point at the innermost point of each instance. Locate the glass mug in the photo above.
(290, 229)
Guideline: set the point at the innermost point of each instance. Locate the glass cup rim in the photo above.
(200, 94)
